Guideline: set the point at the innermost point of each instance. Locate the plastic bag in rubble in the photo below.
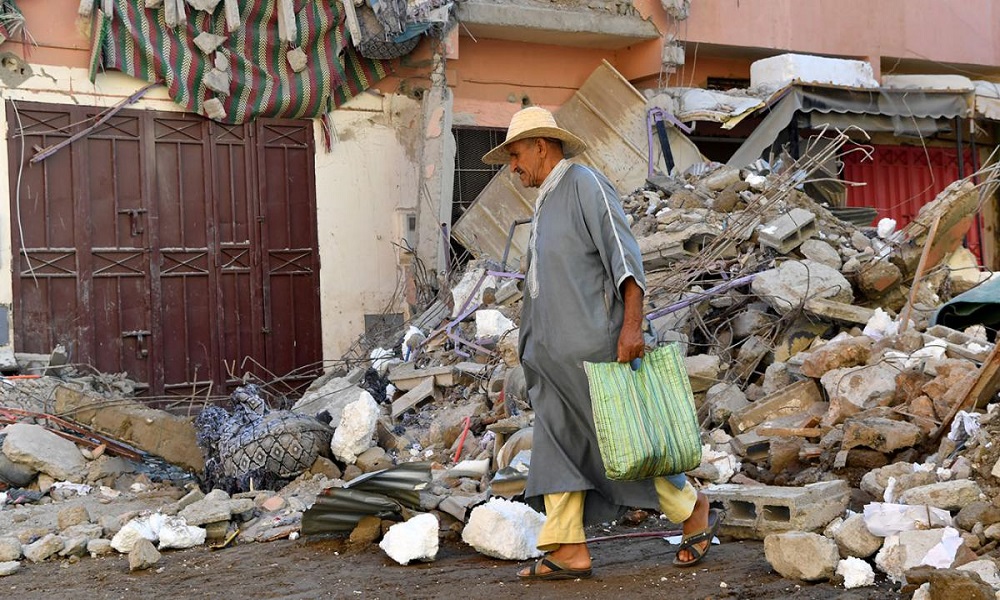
(883, 519)
(942, 555)
(964, 426)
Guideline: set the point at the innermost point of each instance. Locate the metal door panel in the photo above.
(288, 235)
(177, 249)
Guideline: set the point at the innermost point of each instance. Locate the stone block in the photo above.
(208, 42)
(854, 540)
(849, 352)
(373, 459)
(821, 252)
(946, 495)
(207, 510)
(99, 547)
(41, 450)
(882, 435)
(48, 546)
(754, 512)
(72, 515)
(142, 556)
(74, 546)
(854, 389)
(801, 555)
(10, 549)
(787, 232)
(907, 549)
(504, 529)
(703, 371)
(723, 399)
(876, 277)
(798, 397)
(9, 567)
(367, 531)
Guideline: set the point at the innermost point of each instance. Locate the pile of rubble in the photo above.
(840, 427)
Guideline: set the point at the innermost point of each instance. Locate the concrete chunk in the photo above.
(142, 556)
(801, 555)
(425, 391)
(41, 450)
(504, 529)
(788, 231)
(798, 397)
(882, 435)
(9, 567)
(854, 540)
(10, 549)
(791, 284)
(356, 430)
(946, 495)
(754, 512)
(48, 546)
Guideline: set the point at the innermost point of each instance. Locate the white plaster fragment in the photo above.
(416, 539)
(504, 529)
(357, 426)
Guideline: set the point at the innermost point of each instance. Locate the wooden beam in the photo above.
(982, 390)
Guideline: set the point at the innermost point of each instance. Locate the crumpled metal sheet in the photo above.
(386, 493)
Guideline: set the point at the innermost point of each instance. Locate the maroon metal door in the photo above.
(902, 179)
(168, 246)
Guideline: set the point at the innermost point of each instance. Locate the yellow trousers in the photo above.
(564, 513)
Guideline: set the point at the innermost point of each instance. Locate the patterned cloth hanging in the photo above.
(261, 81)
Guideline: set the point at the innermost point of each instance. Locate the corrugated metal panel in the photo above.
(610, 115)
(901, 179)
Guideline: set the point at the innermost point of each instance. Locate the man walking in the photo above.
(582, 302)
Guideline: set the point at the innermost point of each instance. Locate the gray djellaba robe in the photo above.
(581, 252)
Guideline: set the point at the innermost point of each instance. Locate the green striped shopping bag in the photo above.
(645, 418)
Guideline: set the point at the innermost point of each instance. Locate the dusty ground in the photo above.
(327, 567)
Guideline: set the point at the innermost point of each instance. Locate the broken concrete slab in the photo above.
(802, 555)
(754, 512)
(155, 431)
(427, 390)
(791, 284)
(946, 495)
(796, 398)
(821, 252)
(883, 435)
(703, 371)
(840, 312)
(330, 395)
(723, 399)
(38, 448)
(47, 546)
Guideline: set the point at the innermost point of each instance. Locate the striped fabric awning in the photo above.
(137, 41)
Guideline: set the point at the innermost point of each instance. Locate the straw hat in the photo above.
(534, 122)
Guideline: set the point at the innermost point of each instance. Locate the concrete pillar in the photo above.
(437, 174)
